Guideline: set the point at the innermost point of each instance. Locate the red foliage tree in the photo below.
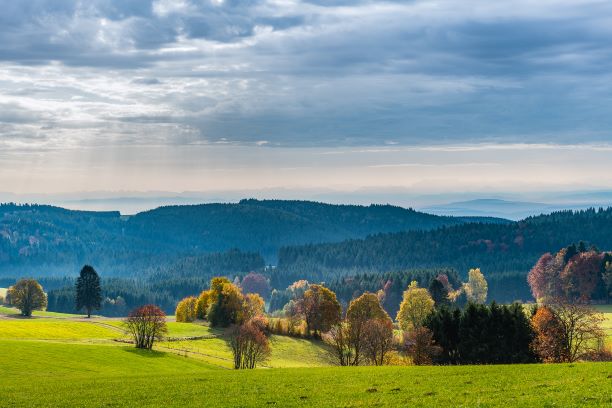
(581, 274)
(146, 324)
(256, 283)
(544, 277)
(249, 345)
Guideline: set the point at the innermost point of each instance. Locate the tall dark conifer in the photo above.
(438, 293)
(88, 290)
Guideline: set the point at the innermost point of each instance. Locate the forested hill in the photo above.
(498, 249)
(265, 226)
(39, 240)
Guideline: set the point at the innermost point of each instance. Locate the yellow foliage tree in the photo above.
(203, 304)
(476, 287)
(416, 305)
(186, 309)
(252, 306)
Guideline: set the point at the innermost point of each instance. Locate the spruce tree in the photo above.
(88, 290)
(438, 293)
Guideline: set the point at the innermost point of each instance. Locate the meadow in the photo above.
(65, 361)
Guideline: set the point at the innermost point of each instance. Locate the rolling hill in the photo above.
(46, 240)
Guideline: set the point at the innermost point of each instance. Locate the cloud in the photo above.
(305, 73)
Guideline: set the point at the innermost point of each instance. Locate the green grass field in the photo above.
(11, 311)
(63, 375)
(67, 361)
(50, 329)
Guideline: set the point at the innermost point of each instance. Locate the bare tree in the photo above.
(146, 324)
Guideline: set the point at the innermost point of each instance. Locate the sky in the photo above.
(286, 96)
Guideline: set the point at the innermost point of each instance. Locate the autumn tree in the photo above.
(88, 290)
(365, 308)
(338, 339)
(27, 295)
(253, 306)
(186, 309)
(420, 346)
(548, 342)
(377, 340)
(249, 345)
(578, 326)
(146, 324)
(203, 303)
(581, 274)
(320, 309)
(544, 277)
(476, 286)
(256, 283)
(574, 273)
(226, 304)
(416, 305)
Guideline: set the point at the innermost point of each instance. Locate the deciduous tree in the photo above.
(320, 309)
(361, 310)
(581, 274)
(580, 325)
(146, 324)
(27, 295)
(548, 342)
(476, 287)
(252, 307)
(377, 340)
(416, 305)
(186, 309)
(420, 346)
(226, 305)
(338, 339)
(256, 283)
(203, 303)
(249, 346)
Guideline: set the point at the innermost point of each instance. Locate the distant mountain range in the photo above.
(515, 210)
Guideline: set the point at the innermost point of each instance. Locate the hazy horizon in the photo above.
(431, 97)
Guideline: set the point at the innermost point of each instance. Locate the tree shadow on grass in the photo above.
(145, 353)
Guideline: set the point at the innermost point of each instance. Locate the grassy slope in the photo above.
(286, 352)
(54, 329)
(68, 372)
(56, 375)
(177, 329)
(11, 311)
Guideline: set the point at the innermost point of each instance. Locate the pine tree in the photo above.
(88, 290)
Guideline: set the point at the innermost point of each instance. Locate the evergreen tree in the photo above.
(88, 290)
(438, 293)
